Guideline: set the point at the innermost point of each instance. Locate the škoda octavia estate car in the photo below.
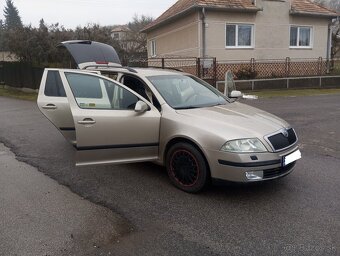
(113, 114)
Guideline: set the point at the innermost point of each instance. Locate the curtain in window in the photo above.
(231, 35)
(304, 39)
(244, 35)
(293, 36)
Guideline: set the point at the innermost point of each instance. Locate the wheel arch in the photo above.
(176, 140)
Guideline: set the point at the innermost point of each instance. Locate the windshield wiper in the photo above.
(187, 107)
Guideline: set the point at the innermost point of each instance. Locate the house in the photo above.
(242, 30)
(8, 57)
(120, 32)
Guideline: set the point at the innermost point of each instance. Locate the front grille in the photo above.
(272, 173)
(279, 141)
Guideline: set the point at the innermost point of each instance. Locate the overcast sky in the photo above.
(72, 13)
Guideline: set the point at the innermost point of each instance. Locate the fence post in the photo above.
(215, 71)
(252, 64)
(320, 66)
(198, 67)
(163, 63)
(287, 66)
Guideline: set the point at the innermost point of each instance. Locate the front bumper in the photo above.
(249, 167)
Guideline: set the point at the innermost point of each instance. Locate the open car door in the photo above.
(110, 128)
(91, 54)
(53, 103)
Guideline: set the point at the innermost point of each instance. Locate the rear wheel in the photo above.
(186, 167)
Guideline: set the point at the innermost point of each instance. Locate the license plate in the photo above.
(291, 157)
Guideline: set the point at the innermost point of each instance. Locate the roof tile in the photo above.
(298, 6)
(306, 6)
(183, 5)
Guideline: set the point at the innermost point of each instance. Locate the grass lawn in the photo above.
(18, 94)
(292, 92)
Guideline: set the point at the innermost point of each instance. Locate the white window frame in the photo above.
(252, 40)
(311, 37)
(153, 48)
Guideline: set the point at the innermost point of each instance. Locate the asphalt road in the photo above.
(296, 215)
(40, 217)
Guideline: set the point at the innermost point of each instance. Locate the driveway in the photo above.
(296, 215)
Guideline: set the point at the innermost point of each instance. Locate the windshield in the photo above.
(184, 92)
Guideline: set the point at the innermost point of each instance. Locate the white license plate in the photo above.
(291, 157)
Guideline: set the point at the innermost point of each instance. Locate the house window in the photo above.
(300, 37)
(153, 48)
(239, 36)
(116, 36)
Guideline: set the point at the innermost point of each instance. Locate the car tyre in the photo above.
(186, 167)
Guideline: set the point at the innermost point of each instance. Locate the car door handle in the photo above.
(87, 121)
(50, 106)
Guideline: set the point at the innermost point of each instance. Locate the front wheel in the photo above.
(186, 167)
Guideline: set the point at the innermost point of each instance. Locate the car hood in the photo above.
(234, 120)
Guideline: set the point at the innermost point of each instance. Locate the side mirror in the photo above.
(235, 94)
(141, 107)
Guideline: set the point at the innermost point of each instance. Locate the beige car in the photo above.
(115, 115)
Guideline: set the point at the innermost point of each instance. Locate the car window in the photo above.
(85, 86)
(93, 92)
(183, 91)
(54, 86)
(139, 87)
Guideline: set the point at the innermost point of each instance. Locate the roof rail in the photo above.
(110, 66)
(176, 69)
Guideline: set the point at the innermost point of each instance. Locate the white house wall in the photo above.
(271, 33)
(178, 38)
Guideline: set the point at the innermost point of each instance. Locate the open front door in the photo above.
(108, 129)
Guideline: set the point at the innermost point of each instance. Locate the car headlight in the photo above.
(244, 146)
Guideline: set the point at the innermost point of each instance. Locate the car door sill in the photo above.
(113, 162)
(116, 146)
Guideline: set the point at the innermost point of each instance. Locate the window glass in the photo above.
(116, 36)
(300, 36)
(231, 35)
(85, 86)
(293, 36)
(244, 35)
(153, 48)
(304, 39)
(54, 86)
(93, 92)
(239, 35)
(184, 92)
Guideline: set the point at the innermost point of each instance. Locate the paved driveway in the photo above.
(297, 215)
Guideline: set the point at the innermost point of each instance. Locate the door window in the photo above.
(54, 86)
(93, 92)
(139, 87)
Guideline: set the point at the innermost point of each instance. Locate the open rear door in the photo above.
(53, 103)
(91, 54)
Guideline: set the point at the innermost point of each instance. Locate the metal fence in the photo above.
(284, 83)
(204, 68)
(20, 75)
(213, 71)
(272, 68)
